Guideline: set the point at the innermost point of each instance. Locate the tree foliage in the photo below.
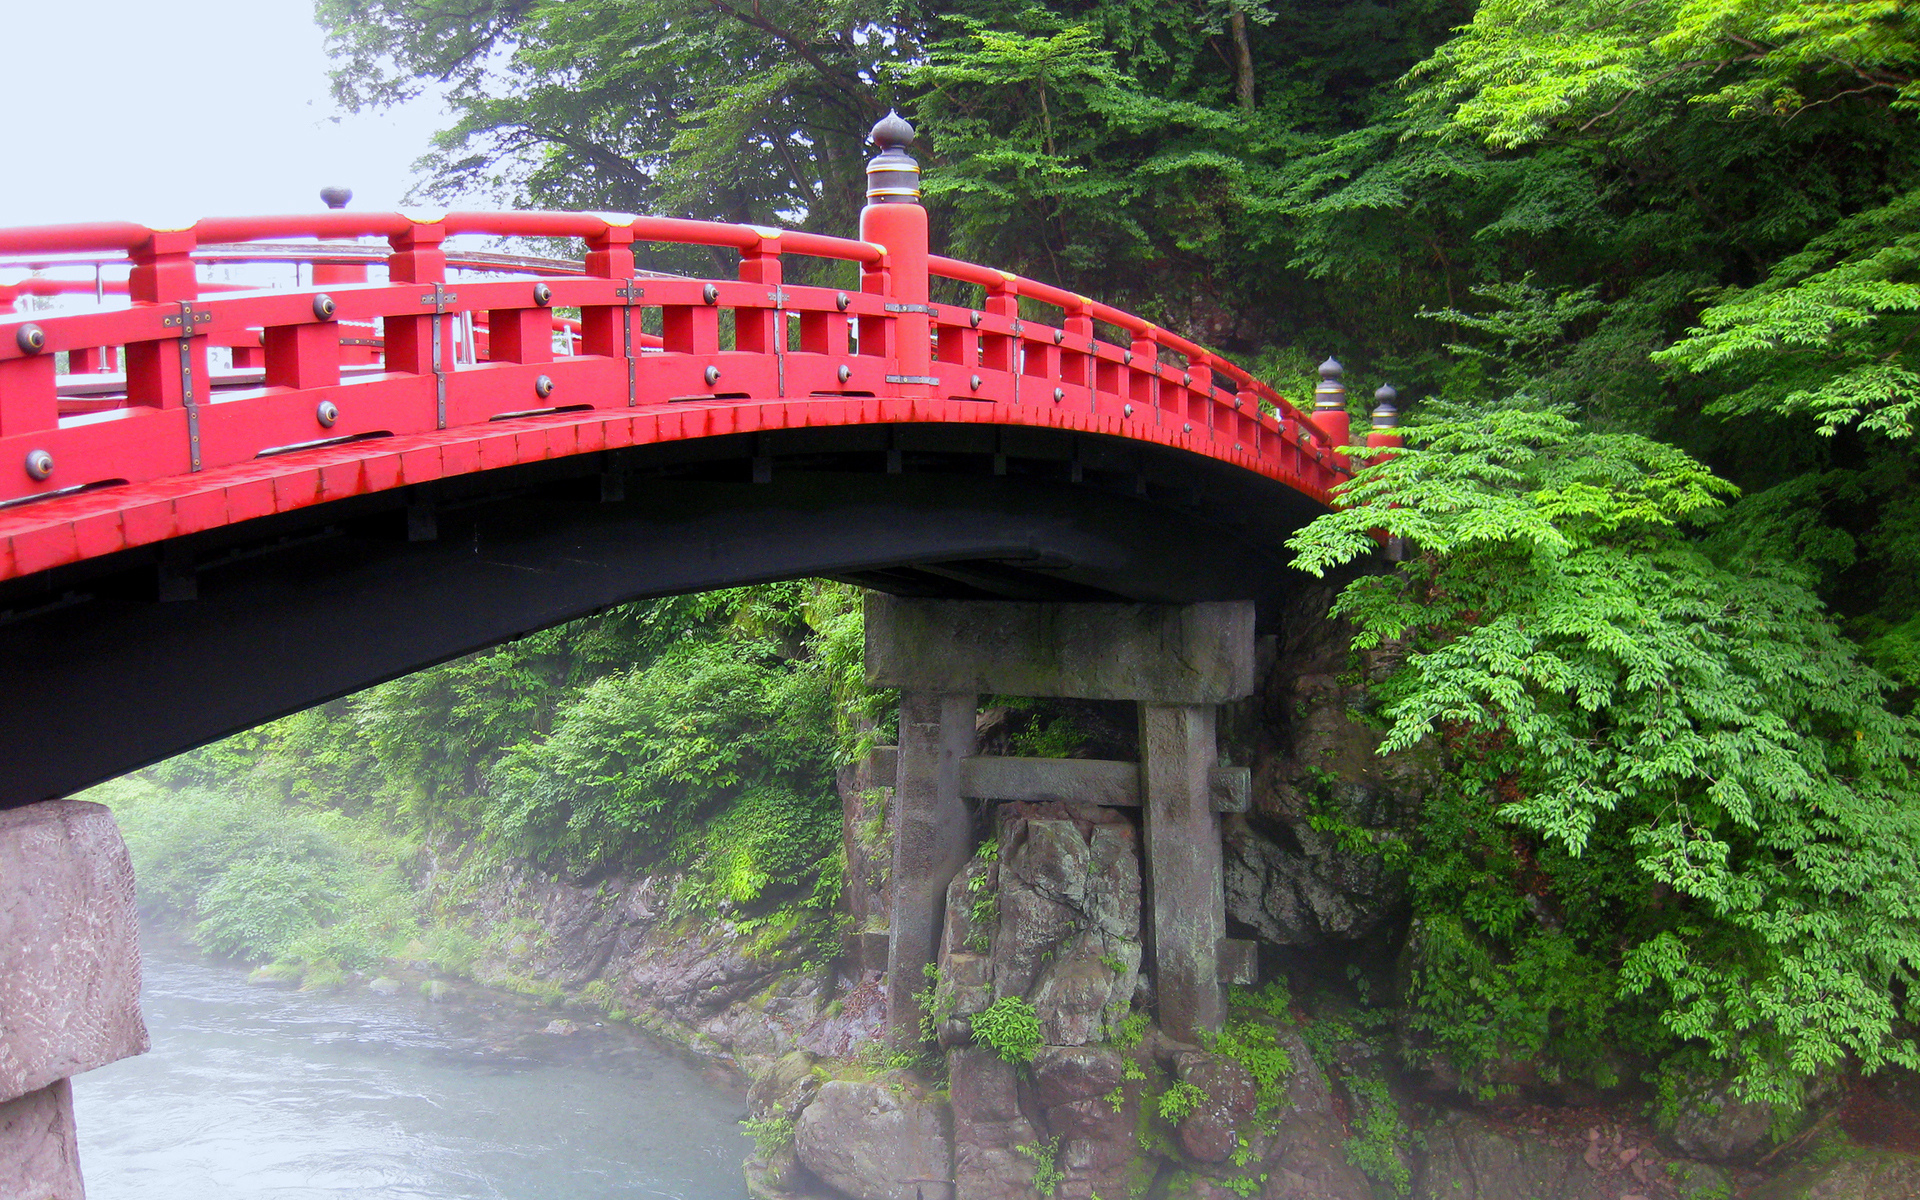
(1703, 797)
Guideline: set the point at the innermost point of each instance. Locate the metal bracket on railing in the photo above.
(439, 297)
(928, 309)
(184, 321)
(629, 292)
(780, 296)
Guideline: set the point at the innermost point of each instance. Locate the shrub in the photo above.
(1010, 1027)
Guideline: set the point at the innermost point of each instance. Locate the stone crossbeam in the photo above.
(1151, 653)
(1083, 781)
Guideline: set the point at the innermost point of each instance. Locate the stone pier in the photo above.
(69, 983)
(1176, 662)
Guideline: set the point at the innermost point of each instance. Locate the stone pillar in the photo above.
(1184, 875)
(69, 982)
(932, 841)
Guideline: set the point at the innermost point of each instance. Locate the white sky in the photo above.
(158, 111)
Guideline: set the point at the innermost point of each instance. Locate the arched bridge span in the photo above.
(219, 505)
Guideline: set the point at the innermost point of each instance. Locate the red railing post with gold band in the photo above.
(893, 218)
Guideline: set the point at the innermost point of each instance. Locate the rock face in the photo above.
(1853, 1175)
(700, 981)
(988, 1127)
(1291, 883)
(878, 1140)
(1062, 926)
(1467, 1159)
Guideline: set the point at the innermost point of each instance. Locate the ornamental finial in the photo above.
(1330, 392)
(336, 196)
(1386, 414)
(891, 132)
(893, 177)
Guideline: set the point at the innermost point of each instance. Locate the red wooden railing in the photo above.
(345, 369)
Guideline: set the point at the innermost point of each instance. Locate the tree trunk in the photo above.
(1242, 59)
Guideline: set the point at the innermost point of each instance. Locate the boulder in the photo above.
(882, 1139)
(1853, 1174)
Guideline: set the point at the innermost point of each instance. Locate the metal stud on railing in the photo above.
(1059, 394)
(327, 413)
(974, 382)
(543, 385)
(542, 294)
(1126, 356)
(1059, 335)
(1126, 410)
(975, 318)
(841, 301)
(324, 307)
(844, 373)
(39, 464)
(713, 375)
(710, 294)
(31, 339)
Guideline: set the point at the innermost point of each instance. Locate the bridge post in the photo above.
(1176, 662)
(69, 982)
(1330, 403)
(894, 218)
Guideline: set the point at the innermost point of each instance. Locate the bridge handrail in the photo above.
(422, 355)
(1002, 282)
(130, 237)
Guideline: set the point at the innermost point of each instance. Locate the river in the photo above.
(262, 1093)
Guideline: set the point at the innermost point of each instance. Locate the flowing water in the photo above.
(261, 1093)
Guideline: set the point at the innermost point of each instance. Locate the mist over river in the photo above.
(263, 1093)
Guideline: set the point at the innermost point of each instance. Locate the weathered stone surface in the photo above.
(1162, 654)
(988, 1128)
(1719, 1125)
(1307, 1160)
(1211, 1133)
(38, 1157)
(69, 945)
(1468, 1159)
(1063, 1074)
(1857, 1174)
(1067, 937)
(883, 1139)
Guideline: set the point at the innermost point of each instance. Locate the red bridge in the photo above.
(375, 475)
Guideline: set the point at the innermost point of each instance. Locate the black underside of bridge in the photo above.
(115, 663)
